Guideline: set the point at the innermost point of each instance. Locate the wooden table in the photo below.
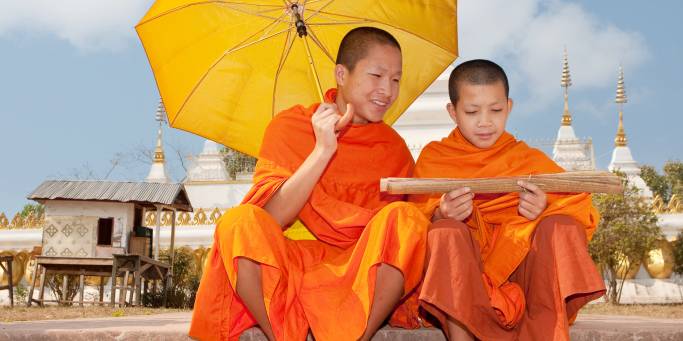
(140, 267)
(6, 265)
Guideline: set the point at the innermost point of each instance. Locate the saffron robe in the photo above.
(326, 283)
(504, 237)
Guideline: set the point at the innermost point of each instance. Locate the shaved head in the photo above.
(357, 43)
(476, 72)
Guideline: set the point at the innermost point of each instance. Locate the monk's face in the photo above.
(481, 112)
(372, 86)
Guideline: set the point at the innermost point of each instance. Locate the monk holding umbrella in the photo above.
(320, 164)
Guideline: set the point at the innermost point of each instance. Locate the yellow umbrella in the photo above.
(224, 68)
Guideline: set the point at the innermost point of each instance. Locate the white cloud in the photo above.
(86, 24)
(528, 37)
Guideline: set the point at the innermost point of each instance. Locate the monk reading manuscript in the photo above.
(508, 266)
(323, 168)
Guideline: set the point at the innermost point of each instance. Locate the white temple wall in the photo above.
(216, 195)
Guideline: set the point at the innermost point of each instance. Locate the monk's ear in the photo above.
(451, 112)
(340, 73)
(509, 105)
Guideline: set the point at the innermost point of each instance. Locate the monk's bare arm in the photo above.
(286, 203)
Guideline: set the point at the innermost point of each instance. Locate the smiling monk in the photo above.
(323, 169)
(508, 266)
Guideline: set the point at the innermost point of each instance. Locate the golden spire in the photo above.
(566, 82)
(620, 140)
(160, 117)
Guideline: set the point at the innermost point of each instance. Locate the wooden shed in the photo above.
(89, 225)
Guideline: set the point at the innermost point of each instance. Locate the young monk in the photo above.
(501, 267)
(324, 169)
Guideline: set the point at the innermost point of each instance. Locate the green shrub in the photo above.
(678, 254)
(182, 292)
(627, 229)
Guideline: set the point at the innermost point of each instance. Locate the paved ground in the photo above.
(174, 326)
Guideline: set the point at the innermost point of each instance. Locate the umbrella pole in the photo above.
(312, 65)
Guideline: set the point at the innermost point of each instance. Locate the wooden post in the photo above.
(138, 282)
(164, 282)
(123, 290)
(172, 250)
(81, 286)
(101, 289)
(41, 292)
(9, 283)
(33, 285)
(157, 233)
(114, 273)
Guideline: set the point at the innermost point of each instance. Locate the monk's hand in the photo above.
(345, 119)
(456, 204)
(324, 121)
(532, 202)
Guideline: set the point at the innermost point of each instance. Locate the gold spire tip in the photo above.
(566, 82)
(620, 140)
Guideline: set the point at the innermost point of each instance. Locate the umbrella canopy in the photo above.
(224, 68)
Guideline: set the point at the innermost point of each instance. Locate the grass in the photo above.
(669, 311)
(34, 313)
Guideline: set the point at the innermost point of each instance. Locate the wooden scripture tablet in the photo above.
(568, 182)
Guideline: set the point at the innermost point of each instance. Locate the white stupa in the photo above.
(209, 165)
(570, 152)
(209, 184)
(157, 173)
(622, 159)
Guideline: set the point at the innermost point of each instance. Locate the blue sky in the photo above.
(77, 92)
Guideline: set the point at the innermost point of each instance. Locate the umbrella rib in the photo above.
(320, 45)
(234, 49)
(239, 47)
(289, 42)
(308, 2)
(338, 23)
(258, 14)
(269, 28)
(212, 2)
(318, 10)
(382, 23)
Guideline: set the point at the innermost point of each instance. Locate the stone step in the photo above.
(174, 326)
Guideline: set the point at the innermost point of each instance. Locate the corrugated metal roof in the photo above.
(141, 192)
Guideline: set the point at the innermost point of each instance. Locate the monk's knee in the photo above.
(561, 226)
(410, 219)
(243, 218)
(447, 231)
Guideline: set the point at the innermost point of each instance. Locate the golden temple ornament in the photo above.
(566, 82)
(620, 139)
(659, 261)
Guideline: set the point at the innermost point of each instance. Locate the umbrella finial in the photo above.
(566, 82)
(300, 24)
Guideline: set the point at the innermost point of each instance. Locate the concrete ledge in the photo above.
(174, 327)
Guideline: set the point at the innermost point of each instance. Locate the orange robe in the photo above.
(327, 283)
(504, 237)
